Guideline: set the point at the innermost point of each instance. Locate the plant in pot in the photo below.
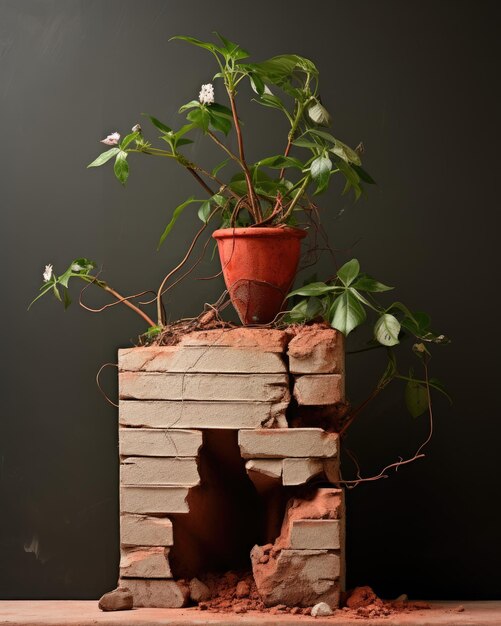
(262, 210)
(262, 206)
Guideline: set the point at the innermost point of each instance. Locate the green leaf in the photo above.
(366, 283)
(121, 167)
(152, 332)
(197, 42)
(128, 139)
(346, 313)
(416, 398)
(314, 308)
(313, 289)
(45, 288)
(418, 324)
(367, 178)
(104, 157)
(232, 49)
(399, 306)
(200, 117)
(56, 292)
(220, 109)
(320, 166)
(192, 104)
(302, 142)
(272, 101)
(220, 166)
(160, 125)
(352, 178)
(348, 272)
(346, 153)
(386, 330)
(175, 216)
(257, 84)
(278, 162)
(204, 211)
(219, 122)
(320, 170)
(66, 299)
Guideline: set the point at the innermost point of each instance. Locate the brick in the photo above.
(153, 499)
(319, 389)
(268, 467)
(298, 471)
(287, 442)
(141, 530)
(264, 339)
(159, 471)
(319, 534)
(200, 359)
(192, 414)
(162, 594)
(243, 387)
(149, 562)
(315, 350)
(297, 577)
(159, 442)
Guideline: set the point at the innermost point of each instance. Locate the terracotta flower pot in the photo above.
(259, 266)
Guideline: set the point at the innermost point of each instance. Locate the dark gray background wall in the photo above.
(416, 82)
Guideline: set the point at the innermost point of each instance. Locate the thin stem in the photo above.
(200, 180)
(296, 198)
(129, 304)
(172, 272)
(254, 202)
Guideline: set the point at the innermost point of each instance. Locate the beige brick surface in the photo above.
(159, 442)
(318, 534)
(200, 359)
(149, 562)
(287, 442)
(147, 500)
(268, 467)
(141, 530)
(159, 471)
(319, 389)
(298, 471)
(228, 387)
(192, 414)
(162, 594)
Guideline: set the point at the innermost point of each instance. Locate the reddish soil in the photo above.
(235, 592)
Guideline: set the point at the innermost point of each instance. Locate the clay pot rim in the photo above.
(260, 231)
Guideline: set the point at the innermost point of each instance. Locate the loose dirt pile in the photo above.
(235, 592)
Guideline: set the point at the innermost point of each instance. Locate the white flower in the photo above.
(111, 140)
(136, 128)
(47, 275)
(76, 268)
(206, 95)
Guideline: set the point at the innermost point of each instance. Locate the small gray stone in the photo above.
(120, 599)
(199, 592)
(321, 609)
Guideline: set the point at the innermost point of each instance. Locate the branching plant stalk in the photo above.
(121, 299)
(296, 199)
(256, 209)
(160, 310)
